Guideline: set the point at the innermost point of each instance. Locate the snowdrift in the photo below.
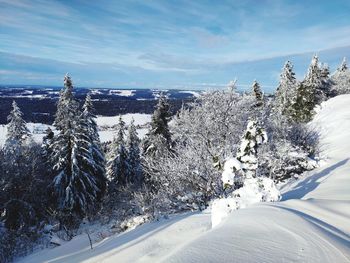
(310, 224)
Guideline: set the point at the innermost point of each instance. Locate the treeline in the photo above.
(51, 188)
(43, 110)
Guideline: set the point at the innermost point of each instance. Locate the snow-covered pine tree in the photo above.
(47, 144)
(313, 80)
(117, 164)
(341, 79)
(303, 107)
(67, 107)
(326, 82)
(76, 188)
(309, 93)
(95, 164)
(134, 160)
(159, 136)
(18, 134)
(258, 94)
(247, 152)
(286, 90)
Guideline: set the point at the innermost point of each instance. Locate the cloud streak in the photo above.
(159, 41)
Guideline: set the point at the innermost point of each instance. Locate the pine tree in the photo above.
(134, 160)
(343, 66)
(303, 108)
(341, 80)
(67, 107)
(258, 94)
(309, 94)
(286, 91)
(117, 166)
(159, 137)
(95, 164)
(47, 144)
(247, 153)
(326, 82)
(17, 132)
(76, 186)
(313, 80)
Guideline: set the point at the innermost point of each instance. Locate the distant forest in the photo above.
(37, 108)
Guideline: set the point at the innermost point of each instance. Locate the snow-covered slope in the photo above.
(312, 224)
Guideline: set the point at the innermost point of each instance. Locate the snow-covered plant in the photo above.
(77, 185)
(247, 152)
(95, 162)
(241, 172)
(159, 128)
(47, 144)
(257, 93)
(286, 91)
(341, 79)
(310, 92)
(254, 190)
(291, 147)
(203, 136)
(326, 81)
(134, 158)
(18, 134)
(117, 164)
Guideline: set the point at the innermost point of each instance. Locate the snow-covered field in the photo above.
(107, 122)
(311, 224)
(139, 118)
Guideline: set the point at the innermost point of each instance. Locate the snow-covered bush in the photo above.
(240, 172)
(203, 135)
(254, 190)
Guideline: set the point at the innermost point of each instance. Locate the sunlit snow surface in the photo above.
(311, 225)
(108, 123)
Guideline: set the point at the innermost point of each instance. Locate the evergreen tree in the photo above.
(309, 93)
(76, 186)
(22, 175)
(95, 164)
(158, 138)
(117, 166)
(247, 153)
(343, 66)
(134, 160)
(313, 81)
(286, 91)
(67, 107)
(258, 94)
(341, 80)
(17, 132)
(326, 82)
(303, 108)
(47, 144)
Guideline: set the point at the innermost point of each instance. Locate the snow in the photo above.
(310, 224)
(140, 119)
(107, 122)
(122, 92)
(38, 129)
(194, 93)
(230, 167)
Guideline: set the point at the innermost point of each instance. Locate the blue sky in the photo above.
(167, 44)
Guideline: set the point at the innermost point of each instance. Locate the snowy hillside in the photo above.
(311, 224)
(105, 124)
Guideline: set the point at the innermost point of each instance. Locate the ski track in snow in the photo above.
(311, 224)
